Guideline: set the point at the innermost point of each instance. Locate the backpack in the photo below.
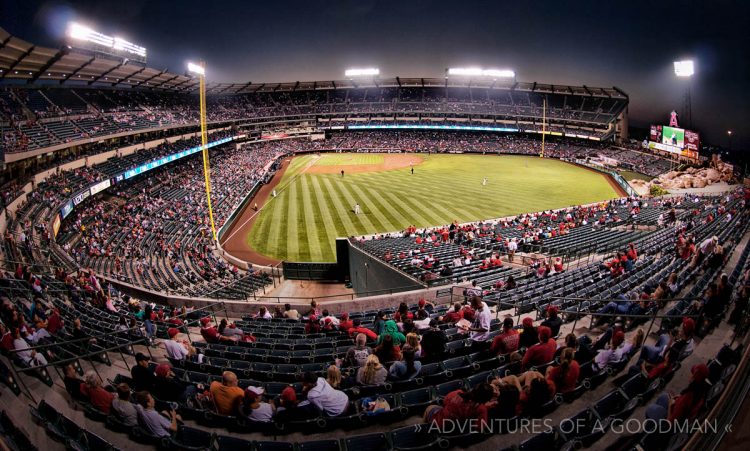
(375, 406)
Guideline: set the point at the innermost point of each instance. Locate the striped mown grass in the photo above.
(347, 159)
(312, 210)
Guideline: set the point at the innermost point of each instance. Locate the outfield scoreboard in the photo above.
(685, 143)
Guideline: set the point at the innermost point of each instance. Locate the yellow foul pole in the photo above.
(204, 143)
(544, 123)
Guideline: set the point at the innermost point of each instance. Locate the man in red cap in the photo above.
(288, 410)
(612, 353)
(168, 388)
(211, 334)
(178, 349)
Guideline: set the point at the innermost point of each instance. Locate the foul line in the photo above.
(268, 201)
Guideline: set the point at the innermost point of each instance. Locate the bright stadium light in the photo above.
(196, 68)
(121, 44)
(370, 71)
(684, 68)
(83, 33)
(479, 72)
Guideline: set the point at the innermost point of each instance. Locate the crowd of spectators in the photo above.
(108, 112)
(160, 220)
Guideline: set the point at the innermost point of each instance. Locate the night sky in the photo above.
(629, 44)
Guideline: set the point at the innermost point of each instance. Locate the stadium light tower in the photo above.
(366, 72)
(86, 38)
(686, 69)
(200, 70)
(479, 72)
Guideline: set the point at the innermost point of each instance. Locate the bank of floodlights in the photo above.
(684, 68)
(366, 72)
(480, 72)
(83, 33)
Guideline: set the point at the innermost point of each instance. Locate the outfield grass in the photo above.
(312, 210)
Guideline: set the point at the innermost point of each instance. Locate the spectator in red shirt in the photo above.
(6, 343)
(402, 313)
(542, 352)
(358, 329)
(96, 395)
(454, 315)
(632, 253)
(688, 404)
(467, 313)
(565, 375)
(54, 322)
(387, 351)
(312, 326)
(615, 268)
(507, 341)
(211, 334)
(461, 405)
(345, 324)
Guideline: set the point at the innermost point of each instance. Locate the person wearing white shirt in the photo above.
(323, 397)
(479, 331)
(335, 321)
(28, 356)
(512, 248)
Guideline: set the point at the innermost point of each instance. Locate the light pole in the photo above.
(200, 70)
(729, 134)
(686, 69)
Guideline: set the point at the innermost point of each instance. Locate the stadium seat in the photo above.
(319, 445)
(368, 442)
(229, 443)
(191, 439)
(416, 437)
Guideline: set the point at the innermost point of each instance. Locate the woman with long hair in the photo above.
(373, 373)
(412, 339)
(333, 376)
(565, 375)
(507, 399)
(408, 367)
(387, 351)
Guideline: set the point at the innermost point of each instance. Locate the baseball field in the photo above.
(314, 202)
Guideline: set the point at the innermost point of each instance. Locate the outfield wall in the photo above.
(367, 273)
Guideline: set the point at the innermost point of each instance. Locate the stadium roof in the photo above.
(21, 60)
